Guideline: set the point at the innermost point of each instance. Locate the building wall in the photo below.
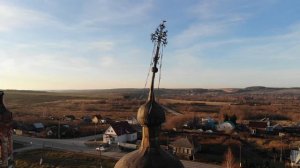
(183, 151)
(132, 137)
(6, 148)
(110, 135)
(122, 138)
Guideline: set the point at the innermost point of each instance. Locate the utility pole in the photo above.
(281, 150)
(99, 149)
(58, 132)
(95, 132)
(43, 153)
(240, 154)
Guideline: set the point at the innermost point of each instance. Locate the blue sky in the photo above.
(97, 44)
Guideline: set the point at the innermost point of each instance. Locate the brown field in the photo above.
(282, 105)
(54, 158)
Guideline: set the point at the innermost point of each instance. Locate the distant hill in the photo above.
(137, 92)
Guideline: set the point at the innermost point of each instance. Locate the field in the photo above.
(53, 158)
(249, 103)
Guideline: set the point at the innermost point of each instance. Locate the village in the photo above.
(190, 141)
(149, 84)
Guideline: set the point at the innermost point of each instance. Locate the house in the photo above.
(291, 130)
(295, 158)
(38, 127)
(97, 119)
(208, 123)
(274, 128)
(119, 132)
(69, 117)
(132, 121)
(86, 119)
(260, 125)
(185, 147)
(18, 131)
(226, 126)
(106, 120)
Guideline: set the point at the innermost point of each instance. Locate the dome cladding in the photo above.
(151, 114)
(149, 158)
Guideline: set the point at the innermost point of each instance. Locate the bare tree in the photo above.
(229, 161)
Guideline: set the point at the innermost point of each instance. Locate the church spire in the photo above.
(151, 115)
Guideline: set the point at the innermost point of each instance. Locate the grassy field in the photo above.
(56, 159)
(32, 105)
(124, 103)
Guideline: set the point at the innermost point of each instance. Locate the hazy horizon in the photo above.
(1, 89)
(66, 45)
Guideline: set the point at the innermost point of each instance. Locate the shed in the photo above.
(186, 147)
(38, 127)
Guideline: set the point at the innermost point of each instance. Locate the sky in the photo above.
(103, 44)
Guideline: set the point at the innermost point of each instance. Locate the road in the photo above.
(77, 145)
(171, 111)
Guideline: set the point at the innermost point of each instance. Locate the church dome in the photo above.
(5, 115)
(147, 158)
(151, 113)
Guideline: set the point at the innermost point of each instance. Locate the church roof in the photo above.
(183, 142)
(122, 127)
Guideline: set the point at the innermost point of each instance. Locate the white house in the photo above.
(119, 132)
(295, 158)
(226, 126)
(132, 121)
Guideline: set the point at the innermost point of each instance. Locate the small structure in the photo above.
(69, 117)
(295, 158)
(275, 128)
(38, 127)
(119, 132)
(132, 121)
(185, 147)
(106, 120)
(6, 132)
(97, 119)
(260, 125)
(86, 119)
(18, 131)
(208, 123)
(226, 126)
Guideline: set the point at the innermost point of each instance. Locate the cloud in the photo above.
(271, 60)
(14, 17)
(229, 10)
(212, 19)
(106, 61)
(110, 13)
(101, 45)
(199, 31)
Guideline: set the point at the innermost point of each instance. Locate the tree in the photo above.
(233, 119)
(226, 117)
(229, 161)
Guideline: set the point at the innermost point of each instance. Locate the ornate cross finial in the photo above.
(160, 35)
(159, 38)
